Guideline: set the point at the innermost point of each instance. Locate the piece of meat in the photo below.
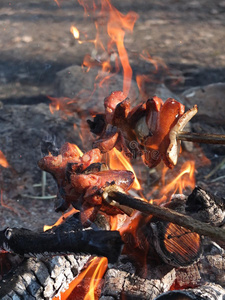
(149, 129)
(81, 180)
(91, 187)
(160, 119)
(111, 103)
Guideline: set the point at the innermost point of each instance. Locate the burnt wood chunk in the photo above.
(208, 291)
(41, 279)
(62, 240)
(176, 245)
(206, 207)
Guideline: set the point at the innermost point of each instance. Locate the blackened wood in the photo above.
(176, 245)
(209, 268)
(67, 238)
(29, 243)
(204, 206)
(41, 279)
(208, 291)
(119, 284)
(216, 234)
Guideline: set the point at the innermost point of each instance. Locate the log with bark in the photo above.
(43, 276)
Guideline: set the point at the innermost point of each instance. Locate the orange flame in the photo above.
(117, 25)
(61, 219)
(184, 179)
(57, 2)
(3, 161)
(118, 161)
(94, 272)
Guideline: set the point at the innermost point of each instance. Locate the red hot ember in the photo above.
(149, 129)
(81, 180)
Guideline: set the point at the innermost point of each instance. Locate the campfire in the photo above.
(119, 236)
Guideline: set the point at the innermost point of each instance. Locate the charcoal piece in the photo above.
(204, 206)
(40, 273)
(97, 125)
(206, 292)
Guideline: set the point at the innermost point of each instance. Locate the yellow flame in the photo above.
(75, 32)
(118, 161)
(99, 271)
(180, 182)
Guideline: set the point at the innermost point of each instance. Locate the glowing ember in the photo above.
(3, 160)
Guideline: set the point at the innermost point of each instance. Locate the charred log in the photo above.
(215, 233)
(121, 281)
(41, 279)
(206, 207)
(176, 245)
(208, 291)
(210, 267)
(62, 240)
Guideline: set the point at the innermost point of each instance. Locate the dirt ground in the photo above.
(36, 43)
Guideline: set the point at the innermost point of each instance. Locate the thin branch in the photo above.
(205, 138)
(215, 233)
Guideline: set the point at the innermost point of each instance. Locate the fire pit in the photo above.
(134, 225)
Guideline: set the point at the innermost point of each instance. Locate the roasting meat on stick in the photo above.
(149, 129)
(82, 179)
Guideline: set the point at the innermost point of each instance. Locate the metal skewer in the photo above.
(205, 138)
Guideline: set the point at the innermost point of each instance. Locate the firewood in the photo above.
(43, 278)
(215, 233)
(63, 239)
(206, 207)
(210, 267)
(29, 243)
(119, 284)
(208, 291)
(176, 245)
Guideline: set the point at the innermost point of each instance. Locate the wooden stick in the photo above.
(205, 138)
(215, 233)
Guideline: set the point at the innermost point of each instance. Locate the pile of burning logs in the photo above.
(182, 243)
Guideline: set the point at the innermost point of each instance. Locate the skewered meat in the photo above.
(152, 127)
(81, 181)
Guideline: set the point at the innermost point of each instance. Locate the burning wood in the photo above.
(215, 233)
(61, 240)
